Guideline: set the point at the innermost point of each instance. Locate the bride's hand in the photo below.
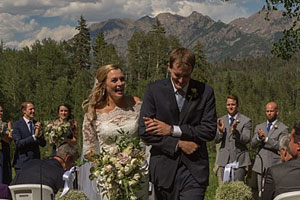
(157, 127)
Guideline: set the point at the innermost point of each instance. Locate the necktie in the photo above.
(269, 126)
(31, 127)
(180, 98)
(231, 121)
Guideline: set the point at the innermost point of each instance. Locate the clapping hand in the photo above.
(261, 135)
(234, 125)
(221, 125)
(156, 127)
(37, 129)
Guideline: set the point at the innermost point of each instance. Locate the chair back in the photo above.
(288, 196)
(31, 192)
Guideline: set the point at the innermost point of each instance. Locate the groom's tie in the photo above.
(180, 94)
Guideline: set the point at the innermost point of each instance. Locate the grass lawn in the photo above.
(213, 180)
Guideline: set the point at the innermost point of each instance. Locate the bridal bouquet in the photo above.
(56, 131)
(120, 170)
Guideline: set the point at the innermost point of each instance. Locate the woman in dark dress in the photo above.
(6, 138)
(64, 112)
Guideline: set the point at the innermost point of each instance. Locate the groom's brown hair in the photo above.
(182, 56)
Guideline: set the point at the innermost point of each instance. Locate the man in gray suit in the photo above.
(266, 138)
(233, 133)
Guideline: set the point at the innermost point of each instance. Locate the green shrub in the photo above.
(236, 190)
(72, 195)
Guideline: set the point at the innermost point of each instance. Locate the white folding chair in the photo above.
(31, 192)
(288, 196)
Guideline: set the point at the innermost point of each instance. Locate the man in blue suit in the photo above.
(27, 136)
(178, 117)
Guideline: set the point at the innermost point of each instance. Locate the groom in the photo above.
(178, 117)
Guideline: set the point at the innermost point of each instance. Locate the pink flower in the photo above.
(123, 158)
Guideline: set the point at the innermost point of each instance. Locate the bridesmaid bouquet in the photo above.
(120, 170)
(4, 130)
(56, 132)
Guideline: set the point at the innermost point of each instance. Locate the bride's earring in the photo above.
(103, 92)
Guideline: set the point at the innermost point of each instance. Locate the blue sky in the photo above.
(24, 21)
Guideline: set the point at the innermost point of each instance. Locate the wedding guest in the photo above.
(233, 133)
(178, 117)
(284, 149)
(6, 138)
(266, 138)
(48, 172)
(64, 112)
(283, 177)
(107, 110)
(27, 136)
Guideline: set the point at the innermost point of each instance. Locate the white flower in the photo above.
(137, 176)
(134, 161)
(127, 170)
(113, 150)
(132, 182)
(105, 159)
(133, 198)
(97, 173)
(120, 175)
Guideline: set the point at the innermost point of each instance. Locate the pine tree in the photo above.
(81, 46)
(104, 53)
(201, 69)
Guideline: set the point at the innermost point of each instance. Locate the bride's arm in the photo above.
(89, 138)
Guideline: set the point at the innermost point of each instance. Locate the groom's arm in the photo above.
(202, 131)
(206, 129)
(166, 144)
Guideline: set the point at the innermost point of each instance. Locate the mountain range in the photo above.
(241, 38)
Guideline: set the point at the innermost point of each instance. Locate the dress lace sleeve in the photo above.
(89, 137)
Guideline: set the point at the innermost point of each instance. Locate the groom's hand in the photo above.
(188, 147)
(156, 127)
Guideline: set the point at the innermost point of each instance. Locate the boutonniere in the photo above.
(275, 126)
(193, 93)
(237, 121)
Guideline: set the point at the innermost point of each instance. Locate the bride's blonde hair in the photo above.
(98, 95)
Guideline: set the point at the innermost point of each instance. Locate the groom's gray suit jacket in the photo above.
(269, 151)
(234, 145)
(197, 120)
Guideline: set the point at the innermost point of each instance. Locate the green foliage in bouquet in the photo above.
(71, 195)
(120, 170)
(233, 190)
(55, 131)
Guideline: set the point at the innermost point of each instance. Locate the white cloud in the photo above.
(217, 10)
(101, 10)
(59, 33)
(98, 10)
(12, 24)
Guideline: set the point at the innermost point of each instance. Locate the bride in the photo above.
(107, 110)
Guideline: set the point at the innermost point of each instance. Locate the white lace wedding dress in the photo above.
(97, 136)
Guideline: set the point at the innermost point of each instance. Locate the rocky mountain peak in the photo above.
(258, 24)
(240, 38)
